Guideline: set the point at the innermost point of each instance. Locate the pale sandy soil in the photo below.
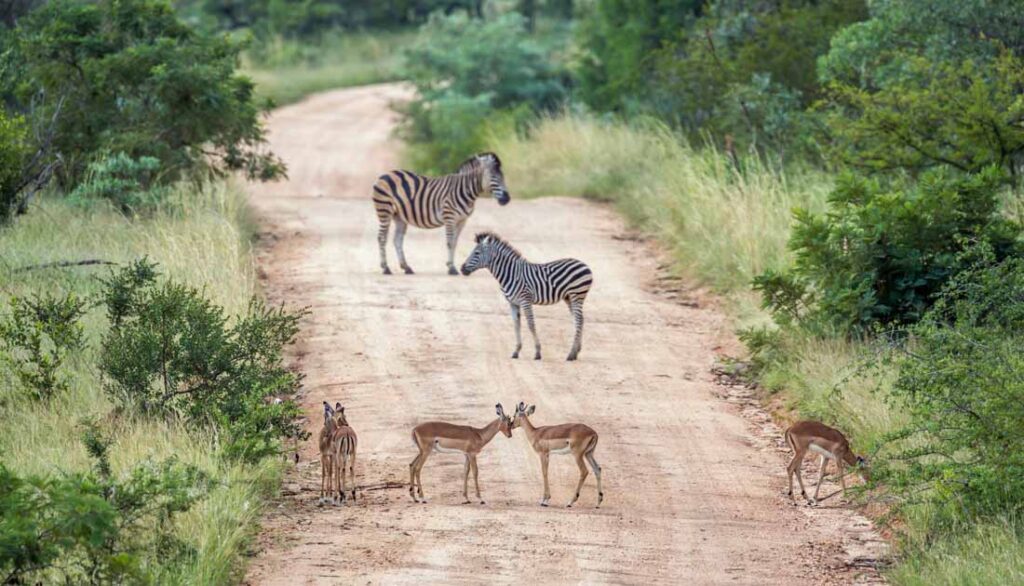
(693, 472)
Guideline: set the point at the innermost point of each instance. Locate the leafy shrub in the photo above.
(136, 79)
(469, 74)
(960, 382)
(966, 115)
(881, 254)
(94, 528)
(122, 180)
(171, 350)
(38, 336)
(13, 151)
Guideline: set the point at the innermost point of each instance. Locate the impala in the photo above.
(569, 438)
(343, 449)
(437, 436)
(829, 443)
(327, 454)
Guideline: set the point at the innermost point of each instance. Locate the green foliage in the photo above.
(94, 528)
(38, 336)
(136, 79)
(13, 152)
(967, 115)
(882, 253)
(125, 182)
(960, 382)
(471, 74)
(171, 350)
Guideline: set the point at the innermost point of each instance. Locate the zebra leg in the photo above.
(400, 227)
(576, 308)
(519, 329)
(382, 240)
(527, 308)
(451, 232)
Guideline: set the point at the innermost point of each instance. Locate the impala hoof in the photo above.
(482, 503)
(536, 356)
(466, 502)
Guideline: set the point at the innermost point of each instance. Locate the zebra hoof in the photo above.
(408, 270)
(570, 358)
(386, 271)
(452, 271)
(515, 355)
(536, 356)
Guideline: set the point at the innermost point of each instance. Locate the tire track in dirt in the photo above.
(693, 488)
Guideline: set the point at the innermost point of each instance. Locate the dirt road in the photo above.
(693, 487)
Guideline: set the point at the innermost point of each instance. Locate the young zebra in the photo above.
(432, 202)
(526, 284)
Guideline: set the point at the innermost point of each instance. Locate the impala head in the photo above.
(482, 253)
(506, 421)
(522, 412)
(328, 413)
(493, 178)
(339, 414)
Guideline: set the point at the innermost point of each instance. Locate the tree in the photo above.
(138, 80)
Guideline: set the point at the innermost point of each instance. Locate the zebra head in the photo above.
(482, 253)
(493, 178)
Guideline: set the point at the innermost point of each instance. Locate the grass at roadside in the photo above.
(286, 71)
(723, 228)
(199, 238)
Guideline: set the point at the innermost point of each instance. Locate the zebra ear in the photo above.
(480, 237)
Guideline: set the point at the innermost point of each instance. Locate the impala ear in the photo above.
(500, 410)
(531, 409)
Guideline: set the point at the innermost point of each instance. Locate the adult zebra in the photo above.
(432, 202)
(526, 284)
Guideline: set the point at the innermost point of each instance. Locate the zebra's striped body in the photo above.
(526, 284)
(431, 202)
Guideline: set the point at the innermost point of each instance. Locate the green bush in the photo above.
(125, 182)
(136, 79)
(38, 336)
(170, 350)
(961, 383)
(962, 114)
(471, 74)
(13, 152)
(882, 253)
(94, 528)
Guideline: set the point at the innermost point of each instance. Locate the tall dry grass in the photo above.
(199, 236)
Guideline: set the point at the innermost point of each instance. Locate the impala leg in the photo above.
(382, 241)
(412, 475)
(841, 470)
(339, 479)
(583, 476)
(519, 329)
(821, 478)
(323, 478)
(794, 470)
(597, 473)
(400, 228)
(527, 309)
(576, 308)
(352, 471)
(544, 470)
(465, 482)
(419, 476)
(476, 480)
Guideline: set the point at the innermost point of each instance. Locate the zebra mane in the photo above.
(488, 234)
(473, 162)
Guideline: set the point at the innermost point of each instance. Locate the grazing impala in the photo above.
(829, 443)
(343, 448)
(437, 436)
(569, 438)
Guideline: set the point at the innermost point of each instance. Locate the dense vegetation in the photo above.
(847, 173)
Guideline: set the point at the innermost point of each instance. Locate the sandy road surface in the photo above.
(693, 487)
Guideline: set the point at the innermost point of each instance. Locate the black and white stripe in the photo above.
(526, 284)
(432, 202)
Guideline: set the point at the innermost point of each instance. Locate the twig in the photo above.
(65, 263)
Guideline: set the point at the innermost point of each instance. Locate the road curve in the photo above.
(693, 488)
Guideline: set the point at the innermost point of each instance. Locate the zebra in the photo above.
(432, 202)
(526, 284)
